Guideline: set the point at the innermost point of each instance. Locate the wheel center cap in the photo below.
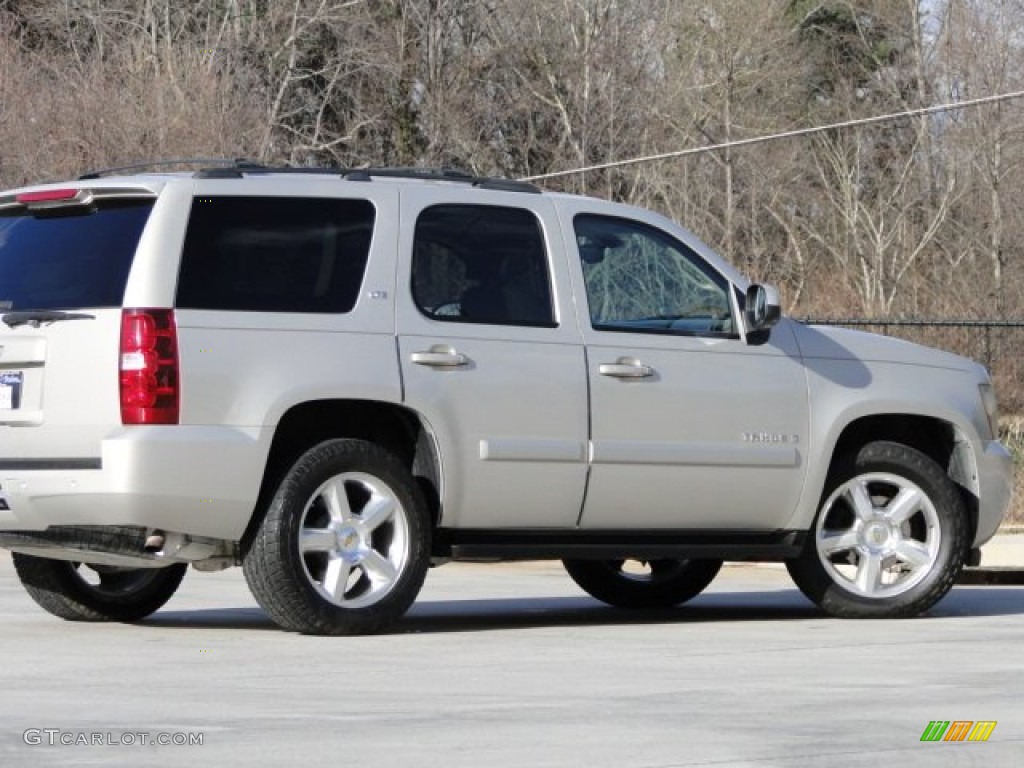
(876, 535)
(348, 540)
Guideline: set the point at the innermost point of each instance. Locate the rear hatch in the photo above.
(65, 256)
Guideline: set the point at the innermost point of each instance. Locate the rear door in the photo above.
(491, 355)
(65, 258)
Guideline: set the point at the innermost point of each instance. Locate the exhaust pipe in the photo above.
(154, 543)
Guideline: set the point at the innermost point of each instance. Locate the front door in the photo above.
(692, 428)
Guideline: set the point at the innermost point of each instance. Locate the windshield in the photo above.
(79, 258)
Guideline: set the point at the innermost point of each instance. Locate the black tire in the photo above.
(364, 530)
(890, 537)
(664, 583)
(79, 592)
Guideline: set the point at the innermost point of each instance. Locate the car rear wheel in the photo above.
(889, 539)
(80, 592)
(643, 583)
(345, 544)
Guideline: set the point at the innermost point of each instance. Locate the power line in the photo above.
(784, 135)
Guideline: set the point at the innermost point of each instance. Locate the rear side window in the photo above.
(275, 254)
(481, 264)
(71, 259)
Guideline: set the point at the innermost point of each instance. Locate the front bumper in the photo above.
(995, 481)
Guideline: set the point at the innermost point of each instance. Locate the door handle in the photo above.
(626, 368)
(440, 357)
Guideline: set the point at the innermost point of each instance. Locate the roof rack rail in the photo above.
(238, 162)
(240, 169)
(443, 174)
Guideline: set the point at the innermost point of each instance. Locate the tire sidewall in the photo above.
(316, 614)
(58, 587)
(900, 460)
(603, 580)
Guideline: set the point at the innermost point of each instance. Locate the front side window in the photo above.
(481, 264)
(640, 279)
(275, 254)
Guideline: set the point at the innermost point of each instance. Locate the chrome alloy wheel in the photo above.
(878, 535)
(354, 540)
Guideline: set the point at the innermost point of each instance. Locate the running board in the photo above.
(540, 544)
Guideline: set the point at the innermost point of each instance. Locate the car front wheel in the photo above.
(643, 583)
(889, 539)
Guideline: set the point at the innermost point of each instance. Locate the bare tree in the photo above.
(983, 50)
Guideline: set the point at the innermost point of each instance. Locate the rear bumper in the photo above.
(995, 480)
(197, 480)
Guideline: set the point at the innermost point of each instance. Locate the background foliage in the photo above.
(917, 217)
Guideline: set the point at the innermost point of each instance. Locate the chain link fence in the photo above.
(996, 344)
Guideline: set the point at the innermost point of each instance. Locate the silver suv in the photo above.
(338, 378)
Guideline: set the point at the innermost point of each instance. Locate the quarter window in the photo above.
(640, 279)
(481, 264)
(275, 254)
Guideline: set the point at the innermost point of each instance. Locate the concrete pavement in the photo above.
(1002, 560)
(509, 666)
(1005, 550)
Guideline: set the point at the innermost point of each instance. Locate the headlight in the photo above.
(988, 399)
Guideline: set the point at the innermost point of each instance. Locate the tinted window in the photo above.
(275, 254)
(70, 259)
(481, 264)
(638, 278)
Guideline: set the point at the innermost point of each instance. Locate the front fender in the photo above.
(844, 393)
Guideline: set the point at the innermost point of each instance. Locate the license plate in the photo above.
(10, 390)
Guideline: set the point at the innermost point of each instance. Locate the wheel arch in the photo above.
(396, 428)
(942, 441)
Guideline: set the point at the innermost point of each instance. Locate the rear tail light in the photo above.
(149, 367)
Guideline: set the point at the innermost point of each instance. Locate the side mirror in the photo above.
(762, 309)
